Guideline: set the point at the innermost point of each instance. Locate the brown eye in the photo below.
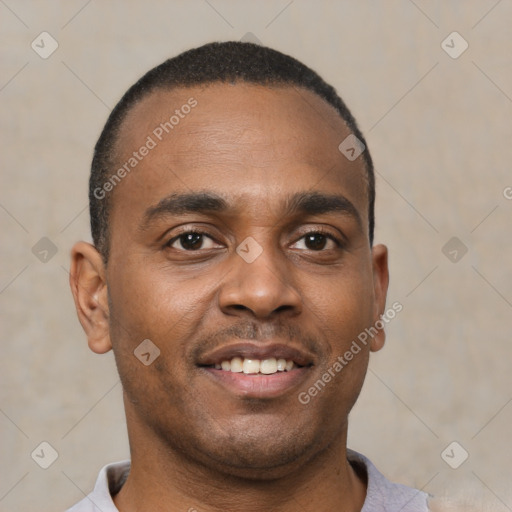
(191, 241)
(316, 241)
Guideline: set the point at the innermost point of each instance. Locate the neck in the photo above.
(163, 479)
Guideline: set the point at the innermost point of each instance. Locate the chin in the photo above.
(255, 453)
(245, 460)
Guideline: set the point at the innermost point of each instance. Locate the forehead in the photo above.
(238, 139)
(284, 115)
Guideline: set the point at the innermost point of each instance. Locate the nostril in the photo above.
(284, 307)
(240, 307)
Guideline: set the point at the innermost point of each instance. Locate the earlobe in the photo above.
(380, 290)
(89, 288)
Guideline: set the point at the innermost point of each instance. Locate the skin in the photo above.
(195, 443)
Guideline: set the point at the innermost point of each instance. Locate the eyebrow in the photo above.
(179, 204)
(317, 203)
(309, 203)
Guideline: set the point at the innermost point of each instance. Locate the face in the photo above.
(239, 247)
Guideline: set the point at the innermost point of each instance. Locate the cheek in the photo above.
(343, 306)
(153, 302)
(149, 303)
(346, 313)
(350, 313)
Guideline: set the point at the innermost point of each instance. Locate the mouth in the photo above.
(248, 366)
(257, 371)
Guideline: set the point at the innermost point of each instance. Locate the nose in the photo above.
(261, 288)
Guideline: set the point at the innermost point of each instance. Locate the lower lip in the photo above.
(258, 385)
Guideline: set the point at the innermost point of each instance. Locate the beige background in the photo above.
(440, 133)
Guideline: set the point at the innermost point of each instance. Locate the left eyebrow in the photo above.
(316, 203)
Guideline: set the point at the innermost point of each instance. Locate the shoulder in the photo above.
(110, 480)
(381, 492)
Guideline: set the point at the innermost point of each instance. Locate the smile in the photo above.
(262, 371)
(256, 366)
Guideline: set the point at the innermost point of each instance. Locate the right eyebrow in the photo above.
(178, 204)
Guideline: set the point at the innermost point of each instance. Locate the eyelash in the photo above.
(317, 231)
(188, 232)
(323, 232)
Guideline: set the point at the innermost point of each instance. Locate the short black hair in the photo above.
(228, 62)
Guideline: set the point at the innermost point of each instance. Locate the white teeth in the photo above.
(251, 366)
(236, 364)
(268, 366)
(281, 365)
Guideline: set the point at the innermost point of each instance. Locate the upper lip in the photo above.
(260, 351)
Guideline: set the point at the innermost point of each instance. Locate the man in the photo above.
(234, 275)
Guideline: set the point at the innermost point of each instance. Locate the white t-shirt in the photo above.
(381, 495)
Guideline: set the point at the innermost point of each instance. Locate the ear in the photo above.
(380, 291)
(89, 288)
